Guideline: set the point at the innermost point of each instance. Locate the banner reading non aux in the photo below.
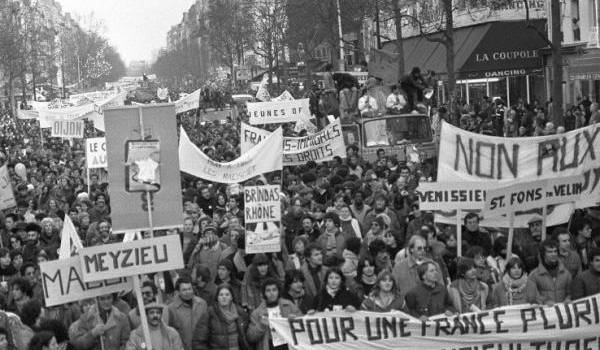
(132, 258)
(68, 129)
(262, 216)
(95, 152)
(322, 146)
(562, 326)
(277, 111)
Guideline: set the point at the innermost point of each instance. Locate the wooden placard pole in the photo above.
(511, 234)
(544, 218)
(459, 232)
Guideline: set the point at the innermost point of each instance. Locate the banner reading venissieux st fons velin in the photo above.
(572, 325)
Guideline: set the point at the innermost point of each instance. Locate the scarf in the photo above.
(370, 280)
(469, 293)
(514, 286)
(229, 312)
(331, 291)
(296, 295)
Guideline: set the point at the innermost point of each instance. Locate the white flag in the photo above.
(263, 94)
(69, 240)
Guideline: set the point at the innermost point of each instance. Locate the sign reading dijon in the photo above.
(131, 258)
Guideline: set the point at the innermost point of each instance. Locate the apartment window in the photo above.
(575, 18)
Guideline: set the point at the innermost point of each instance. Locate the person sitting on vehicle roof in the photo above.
(396, 101)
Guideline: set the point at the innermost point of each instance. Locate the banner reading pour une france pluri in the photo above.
(571, 326)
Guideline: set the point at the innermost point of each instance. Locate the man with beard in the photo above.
(380, 205)
(32, 246)
(552, 279)
(529, 243)
(149, 292)
(359, 208)
(162, 336)
(206, 201)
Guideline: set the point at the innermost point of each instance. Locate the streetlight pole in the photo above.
(340, 34)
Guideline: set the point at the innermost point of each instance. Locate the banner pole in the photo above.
(544, 218)
(41, 134)
(458, 233)
(136, 280)
(511, 234)
(87, 176)
(101, 336)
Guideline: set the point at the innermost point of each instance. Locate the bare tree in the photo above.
(270, 28)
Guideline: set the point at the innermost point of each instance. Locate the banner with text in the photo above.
(448, 196)
(262, 217)
(132, 258)
(7, 197)
(67, 129)
(322, 146)
(189, 102)
(277, 111)
(95, 152)
(62, 282)
(263, 158)
(562, 326)
(384, 65)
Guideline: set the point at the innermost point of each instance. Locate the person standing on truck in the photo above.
(396, 102)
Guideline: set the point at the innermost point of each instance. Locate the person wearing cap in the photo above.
(528, 243)
(208, 250)
(162, 337)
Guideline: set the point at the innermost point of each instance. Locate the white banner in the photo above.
(70, 242)
(95, 152)
(261, 159)
(524, 327)
(7, 197)
(62, 282)
(448, 196)
(67, 113)
(277, 111)
(322, 146)
(132, 258)
(191, 101)
(67, 129)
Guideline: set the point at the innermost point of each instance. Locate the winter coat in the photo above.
(549, 288)
(170, 339)
(258, 333)
(373, 303)
(422, 300)
(309, 284)
(212, 332)
(342, 298)
(585, 284)
(115, 337)
(406, 277)
(184, 318)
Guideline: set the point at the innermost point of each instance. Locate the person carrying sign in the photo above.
(162, 336)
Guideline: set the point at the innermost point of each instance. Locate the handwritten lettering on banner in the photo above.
(189, 102)
(131, 258)
(68, 129)
(535, 194)
(565, 326)
(62, 282)
(465, 156)
(261, 159)
(95, 152)
(322, 146)
(277, 111)
(384, 65)
(261, 204)
(451, 196)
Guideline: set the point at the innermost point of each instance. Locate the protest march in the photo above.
(299, 175)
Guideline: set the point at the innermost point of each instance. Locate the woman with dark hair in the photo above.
(514, 287)
(468, 294)
(226, 275)
(334, 295)
(385, 295)
(60, 332)
(30, 313)
(223, 326)
(366, 277)
(259, 271)
(294, 290)
(44, 340)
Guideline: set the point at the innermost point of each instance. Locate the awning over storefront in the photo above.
(585, 67)
(493, 49)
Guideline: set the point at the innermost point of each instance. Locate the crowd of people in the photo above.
(352, 238)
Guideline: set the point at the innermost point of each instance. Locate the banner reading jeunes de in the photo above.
(525, 327)
(277, 111)
(322, 146)
(263, 158)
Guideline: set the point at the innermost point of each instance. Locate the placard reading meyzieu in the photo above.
(62, 282)
(131, 258)
(278, 111)
(95, 152)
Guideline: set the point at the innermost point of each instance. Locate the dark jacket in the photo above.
(422, 300)
(585, 284)
(342, 298)
(212, 330)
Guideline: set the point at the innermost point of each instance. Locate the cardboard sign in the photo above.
(448, 196)
(262, 203)
(263, 158)
(95, 152)
(7, 197)
(384, 65)
(277, 111)
(62, 282)
(138, 164)
(189, 102)
(572, 325)
(131, 258)
(67, 129)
